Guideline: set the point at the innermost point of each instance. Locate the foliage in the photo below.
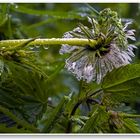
(125, 85)
(37, 94)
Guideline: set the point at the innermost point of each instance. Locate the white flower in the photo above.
(92, 64)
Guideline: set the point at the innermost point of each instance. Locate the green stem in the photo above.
(52, 41)
(69, 127)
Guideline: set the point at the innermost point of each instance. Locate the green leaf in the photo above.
(94, 11)
(88, 89)
(57, 70)
(56, 14)
(123, 83)
(34, 86)
(54, 116)
(41, 23)
(24, 92)
(23, 123)
(97, 121)
(131, 126)
(14, 129)
(3, 14)
(121, 123)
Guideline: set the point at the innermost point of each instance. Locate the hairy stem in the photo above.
(52, 41)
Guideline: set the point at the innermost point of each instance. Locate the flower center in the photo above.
(100, 49)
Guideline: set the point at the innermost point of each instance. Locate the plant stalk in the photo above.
(52, 41)
(69, 127)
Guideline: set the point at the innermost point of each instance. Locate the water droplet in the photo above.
(3, 48)
(16, 6)
(49, 99)
(37, 47)
(61, 52)
(31, 48)
(83, 14)
(46, 48)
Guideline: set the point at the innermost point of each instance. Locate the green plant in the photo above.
(37, 95)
